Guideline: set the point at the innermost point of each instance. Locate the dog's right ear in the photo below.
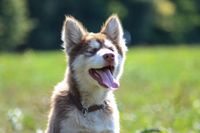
(72, 33)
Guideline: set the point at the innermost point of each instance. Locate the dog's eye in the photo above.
(95, 50)
(111, 48)
(91, 51)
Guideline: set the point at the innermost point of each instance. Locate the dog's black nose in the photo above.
(109, 57)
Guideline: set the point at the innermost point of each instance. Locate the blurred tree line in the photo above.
(37, 24)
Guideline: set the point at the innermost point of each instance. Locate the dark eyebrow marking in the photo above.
(101, 42)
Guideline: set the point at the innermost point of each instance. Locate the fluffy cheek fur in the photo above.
(81, 73)
(119, 67)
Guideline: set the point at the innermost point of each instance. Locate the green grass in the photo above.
(160, 89)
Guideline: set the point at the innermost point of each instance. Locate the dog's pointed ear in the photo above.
(72, 33)
(113, 29)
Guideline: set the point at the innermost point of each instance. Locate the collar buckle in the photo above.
(84, 111)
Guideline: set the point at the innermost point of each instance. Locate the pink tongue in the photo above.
(107, 79)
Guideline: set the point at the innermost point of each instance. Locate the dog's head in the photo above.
(96, 59)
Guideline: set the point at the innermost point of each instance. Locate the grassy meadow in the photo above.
(160, 90)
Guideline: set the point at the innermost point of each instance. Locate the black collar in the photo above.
(77, 102)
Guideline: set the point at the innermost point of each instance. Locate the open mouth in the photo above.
(104, 76)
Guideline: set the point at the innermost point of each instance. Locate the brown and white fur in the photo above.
(85, 51)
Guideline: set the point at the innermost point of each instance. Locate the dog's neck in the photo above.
(87, 94)
(96, 97)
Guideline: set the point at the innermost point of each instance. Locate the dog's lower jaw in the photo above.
(91, 93)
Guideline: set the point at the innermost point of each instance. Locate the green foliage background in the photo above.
(37, 24)
(14, 23)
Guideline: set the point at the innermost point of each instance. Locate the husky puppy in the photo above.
(84, 102)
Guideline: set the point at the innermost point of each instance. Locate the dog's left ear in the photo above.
(72, 33)
(113, 29)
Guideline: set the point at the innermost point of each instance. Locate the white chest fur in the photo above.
(94, 122)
